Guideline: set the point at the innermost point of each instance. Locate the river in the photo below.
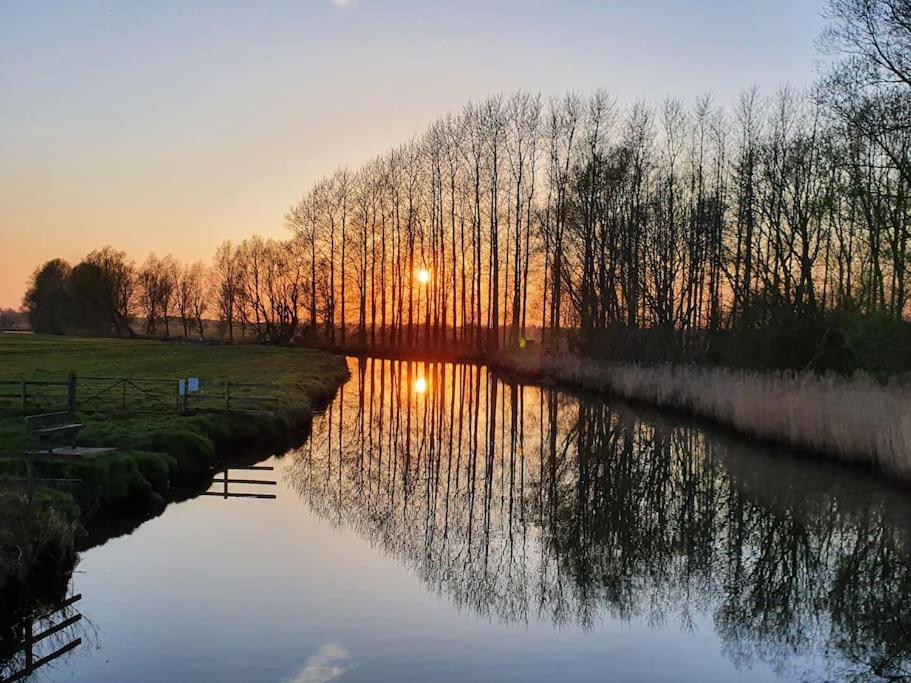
(440, 524)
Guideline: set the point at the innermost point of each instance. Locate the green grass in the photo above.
(158, 452)
(44, 357)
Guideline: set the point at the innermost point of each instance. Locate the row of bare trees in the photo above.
(577, 215)
(254, 288)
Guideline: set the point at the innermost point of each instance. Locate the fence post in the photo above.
(29, 487)
(71, 392)
(24, 394)
(227, 396)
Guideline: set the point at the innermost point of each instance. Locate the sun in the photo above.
(423, 276)
(420, 385)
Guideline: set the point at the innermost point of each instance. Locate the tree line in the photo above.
(252, 289)
(574, 219)
(575, 216)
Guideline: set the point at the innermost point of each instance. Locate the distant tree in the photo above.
(90, 299)
(47, 298)
(182, 295)
(189, 296)
(226, 285)
(273, 288)
(101, 291)
(167, 278)
(199, 302)
(120, 279)
(157, 286)
(147, 296)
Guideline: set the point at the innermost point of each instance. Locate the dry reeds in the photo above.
(857, 420)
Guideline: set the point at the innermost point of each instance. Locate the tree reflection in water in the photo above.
(521, 504)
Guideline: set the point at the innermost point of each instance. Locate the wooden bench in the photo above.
(53, 428)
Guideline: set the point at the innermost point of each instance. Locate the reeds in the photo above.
(857, 419)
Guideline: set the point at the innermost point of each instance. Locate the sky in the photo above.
(170, 127)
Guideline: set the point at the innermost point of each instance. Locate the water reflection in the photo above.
(329, 663)
(39, 632)
(523, 504)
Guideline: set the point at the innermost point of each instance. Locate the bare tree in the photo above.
(225, 285)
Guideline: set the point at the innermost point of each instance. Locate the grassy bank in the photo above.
(160, 454)
(857, 420)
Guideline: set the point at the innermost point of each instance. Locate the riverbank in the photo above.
(860, 420)
(161, 455)
(856, 420)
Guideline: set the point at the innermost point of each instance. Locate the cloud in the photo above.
(329, 662)
(344, 4)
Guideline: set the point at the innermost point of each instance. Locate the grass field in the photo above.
(159, 451)
(299, 377)
(49, 357)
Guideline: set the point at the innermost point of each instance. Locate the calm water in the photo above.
(442, 525)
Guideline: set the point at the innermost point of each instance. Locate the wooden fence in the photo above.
(225, 487)
(134, 395)
(58, 620)
(25, 393)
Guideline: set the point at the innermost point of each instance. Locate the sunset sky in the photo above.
(153, 126)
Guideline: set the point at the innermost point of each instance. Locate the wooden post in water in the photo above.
(27, 639)
(29, 647)
(29, 486)
(24, 395)
(227, 396)
(71, 392)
